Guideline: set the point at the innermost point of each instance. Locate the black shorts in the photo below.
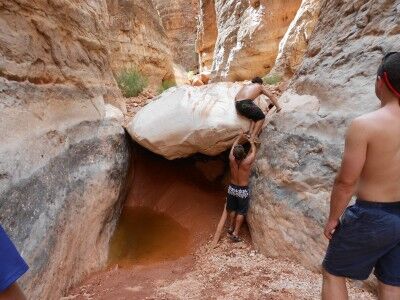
(368, 238)
(237, 199)
(247, 108)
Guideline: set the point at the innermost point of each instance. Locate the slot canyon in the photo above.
(114, 196)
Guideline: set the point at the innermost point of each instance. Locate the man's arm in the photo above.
(252, 154)
(352, 164)
(271, 96)
(231, 157)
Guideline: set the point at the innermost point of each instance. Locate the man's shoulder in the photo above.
(367, 124)
(368, 120)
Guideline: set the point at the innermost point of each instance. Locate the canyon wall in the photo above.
(206, 34)
(248, 37)
(138, 39)
(301, 149)
(295, 42)
(63, 156)
(179, 19)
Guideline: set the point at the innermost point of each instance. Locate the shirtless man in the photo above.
(246, 107)
(368, 236)
(237, 200)
(12, 267)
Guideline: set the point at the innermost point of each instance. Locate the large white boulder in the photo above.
(186, 120)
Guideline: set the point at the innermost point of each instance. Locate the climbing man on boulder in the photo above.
(245, 106)
(237, 200)
(368, 235)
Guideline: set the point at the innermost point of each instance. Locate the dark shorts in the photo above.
(247, 108)
(368, 237)
(12, 266)
(238, 199)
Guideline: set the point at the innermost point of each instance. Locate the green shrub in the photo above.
(272, 79)
(131, 82)
(190, 75)
(165, 85)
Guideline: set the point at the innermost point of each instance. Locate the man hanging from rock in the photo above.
(245, 106)
(368, 235)
(237, 200)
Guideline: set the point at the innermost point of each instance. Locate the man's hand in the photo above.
(330, 228)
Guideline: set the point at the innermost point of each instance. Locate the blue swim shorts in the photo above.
(12, 266)
(368, 237)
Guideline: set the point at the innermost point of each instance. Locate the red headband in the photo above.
(389, 85)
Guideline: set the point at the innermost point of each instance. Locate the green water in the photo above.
(145, 236)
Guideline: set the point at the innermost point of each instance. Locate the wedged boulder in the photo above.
(186, 120)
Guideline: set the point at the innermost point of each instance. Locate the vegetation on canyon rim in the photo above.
(131, 82)
(165, 85)
(272, 79)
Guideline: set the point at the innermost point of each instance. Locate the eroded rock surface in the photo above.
(179, 18)
(248, 36)
(63, 156)
(138, 39)
(206, 34)
(186, 120)
(295, 42)
(301, 150)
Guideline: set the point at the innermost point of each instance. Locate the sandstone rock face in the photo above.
(63, 156)
(295, 42)
(206, 34)
(301, 150)
(138, 39)
(186, 120)
(249, 36)
(179, 20)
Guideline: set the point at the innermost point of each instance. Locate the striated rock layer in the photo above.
(248, 38)
(295, 42)
(301, 150)
(138, 39)
(179, 20)
(63, 156)
(206, 34)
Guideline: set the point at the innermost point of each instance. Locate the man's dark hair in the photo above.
(389, 71)
(239, 153)
(257, 80)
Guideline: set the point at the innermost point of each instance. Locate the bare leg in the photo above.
(333, 287)
(257, 129)
(239, 222)
(232, 216)
(251, 128)
(388, 292)
(220, 227)
(12, 293)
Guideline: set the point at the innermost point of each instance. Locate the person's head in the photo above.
(257, 80)
(239, 153)
(388, 77)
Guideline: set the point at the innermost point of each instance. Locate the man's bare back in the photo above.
(240, 169)
(380, 176)
(253, 90)
(240, 172)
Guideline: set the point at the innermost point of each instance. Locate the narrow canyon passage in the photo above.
(172, 209)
